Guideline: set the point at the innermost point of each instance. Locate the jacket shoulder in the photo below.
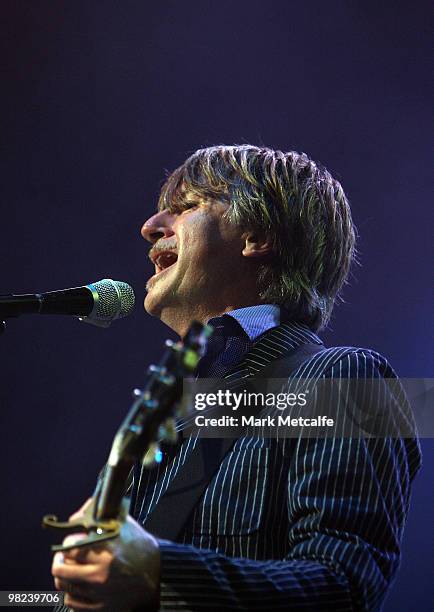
(346, 362)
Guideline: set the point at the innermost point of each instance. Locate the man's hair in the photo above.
(291, 200)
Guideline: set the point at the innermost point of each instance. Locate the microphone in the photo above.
(98, 303)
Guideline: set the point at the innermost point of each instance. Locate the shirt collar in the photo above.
(241, 330)
(253, 320)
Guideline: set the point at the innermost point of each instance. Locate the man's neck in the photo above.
(180, 321)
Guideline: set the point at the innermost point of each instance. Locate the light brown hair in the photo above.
(292, 200)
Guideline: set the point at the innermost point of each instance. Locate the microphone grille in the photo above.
(113, 300)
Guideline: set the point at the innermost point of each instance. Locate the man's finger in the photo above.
(74, 588)
(81, 510)
(82, 554)
(78, 597)
(78, 606)
(76, 603)
(88, 555)
(77, 572)
(73, 538)
(78, 554)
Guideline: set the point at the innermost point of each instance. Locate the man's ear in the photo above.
(256, 245)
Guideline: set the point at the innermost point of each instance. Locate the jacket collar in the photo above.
(273, 344)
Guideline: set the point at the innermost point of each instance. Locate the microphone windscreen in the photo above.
(112, 300)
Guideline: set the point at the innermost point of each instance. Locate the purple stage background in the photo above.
(98, 99)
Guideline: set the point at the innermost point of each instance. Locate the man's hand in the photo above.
(117, 575)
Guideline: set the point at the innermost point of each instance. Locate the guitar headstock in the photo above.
(150, 420)
(163, 389)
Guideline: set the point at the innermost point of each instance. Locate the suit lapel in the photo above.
(272, 345)
(187, 471)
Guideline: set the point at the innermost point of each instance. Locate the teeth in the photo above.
(166, 259)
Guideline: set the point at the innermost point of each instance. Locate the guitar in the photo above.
(150, 420)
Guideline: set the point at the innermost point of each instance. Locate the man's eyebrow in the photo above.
(183, 202)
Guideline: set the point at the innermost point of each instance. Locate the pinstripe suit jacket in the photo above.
(295, 524)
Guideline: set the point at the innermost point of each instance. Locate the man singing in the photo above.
(258, 244)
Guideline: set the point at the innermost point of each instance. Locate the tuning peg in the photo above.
(167, 432)
(137, 392)
(183, 408)
(155, 369)
(154, 455)
(162, 374)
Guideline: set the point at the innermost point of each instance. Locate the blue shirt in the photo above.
(234, 334)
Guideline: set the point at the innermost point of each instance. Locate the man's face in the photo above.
(198, 261)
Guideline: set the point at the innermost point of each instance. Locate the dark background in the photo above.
(98, 99)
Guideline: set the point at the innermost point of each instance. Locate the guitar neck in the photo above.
(111, 491)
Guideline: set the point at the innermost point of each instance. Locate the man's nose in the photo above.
(158, 226)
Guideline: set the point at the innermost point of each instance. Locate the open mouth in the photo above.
(164, 260)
